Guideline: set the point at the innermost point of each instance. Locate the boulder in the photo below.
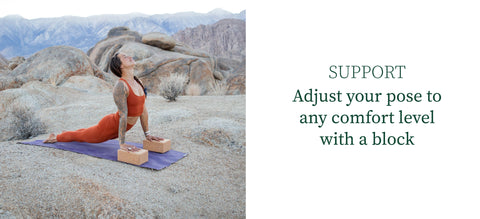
(102, 52)
(35, 95)
(159, 40)
(3, 62)
(229, 67)
(53, 65)
(88, 84)
(153, 64)
(234, 72)
(218, 75)
(124, 31)
(187, 50)
(14, 62)
(236, 85)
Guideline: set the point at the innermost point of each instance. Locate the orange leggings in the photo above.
(106, 129)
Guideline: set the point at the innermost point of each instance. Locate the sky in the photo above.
(32, 9)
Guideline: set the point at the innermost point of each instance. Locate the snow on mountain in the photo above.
(23, 37)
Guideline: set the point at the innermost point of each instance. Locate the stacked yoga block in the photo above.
(140, 157)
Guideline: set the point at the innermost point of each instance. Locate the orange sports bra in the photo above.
(135, 103)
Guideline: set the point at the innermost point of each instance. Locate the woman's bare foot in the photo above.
(51, 139)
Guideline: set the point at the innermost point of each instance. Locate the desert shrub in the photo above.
(24, 124)
(218, 88)
(172, 86)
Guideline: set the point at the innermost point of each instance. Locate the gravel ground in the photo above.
(42, 182)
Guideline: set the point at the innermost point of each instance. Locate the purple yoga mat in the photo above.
(108, 150)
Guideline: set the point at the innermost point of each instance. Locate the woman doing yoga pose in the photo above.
(129, 96)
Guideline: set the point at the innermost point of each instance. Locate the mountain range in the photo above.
(225, 38)
(23, 37)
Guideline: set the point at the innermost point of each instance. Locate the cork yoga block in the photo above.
(157, 146)
(137, 158)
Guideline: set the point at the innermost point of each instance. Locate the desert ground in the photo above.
(39, 182)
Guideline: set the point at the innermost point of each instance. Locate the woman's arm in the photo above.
(120, 94)
(144, 122)
(144, 119)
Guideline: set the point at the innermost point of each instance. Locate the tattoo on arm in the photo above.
(120, 94)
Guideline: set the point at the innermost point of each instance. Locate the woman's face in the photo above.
(127, 61)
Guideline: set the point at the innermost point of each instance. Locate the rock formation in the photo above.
(15, 61)
(154, 63)
(53, 65)
(3, 62)
(157, 56)
(226, 38)
(122, 31)
(236, 84)
(159, 40)
(88, 84)
(32, 96)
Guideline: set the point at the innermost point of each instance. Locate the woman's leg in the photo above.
(103, 131)
(106, 129)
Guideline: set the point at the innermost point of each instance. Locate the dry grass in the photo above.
(173, 86)
(218, 88)
(24, 124)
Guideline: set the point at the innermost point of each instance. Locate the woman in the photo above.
(129, 96)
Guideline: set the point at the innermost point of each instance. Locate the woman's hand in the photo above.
(154, 138)
(128, 147)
